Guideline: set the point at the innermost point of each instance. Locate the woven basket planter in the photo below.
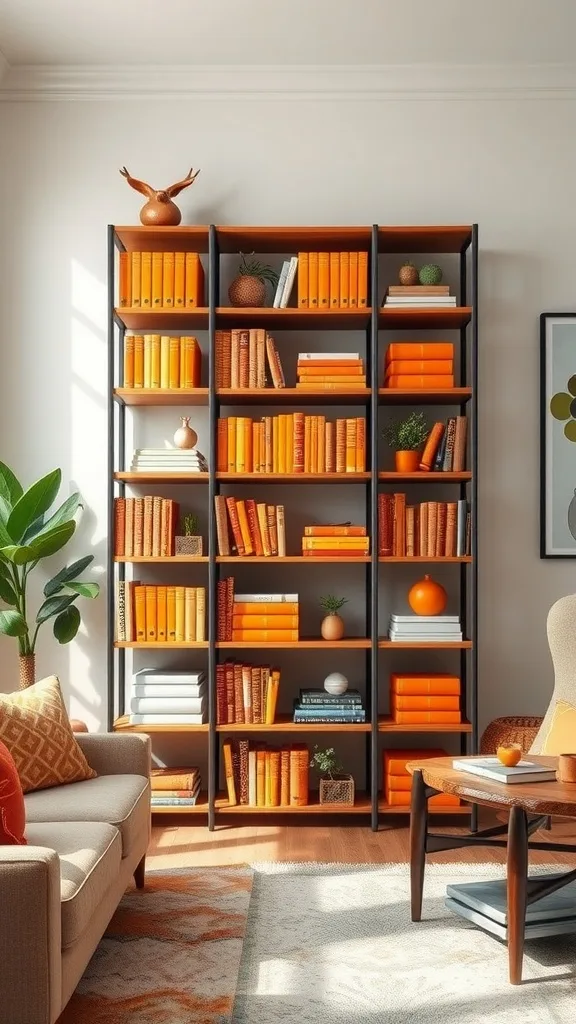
(339, 790)
(188, 545)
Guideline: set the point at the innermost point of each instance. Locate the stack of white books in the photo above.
(425, 628)
(285, 283)
(168, 460)
(419, 296)
(168, 698)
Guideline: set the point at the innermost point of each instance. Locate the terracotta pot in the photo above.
(27, 670)
(407, 462)
(332, 627)
(427, 597)
(160, 213)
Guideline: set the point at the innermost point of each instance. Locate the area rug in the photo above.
(333, 944)
(170, 954)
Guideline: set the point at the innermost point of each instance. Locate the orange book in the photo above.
(419, 350)
(146, 280)
(399, 702)
(138, 527)
(334, 280)
(360, 444)
(157, 263)
(231, 424)
(244, 528)
(303, 756)
(255, 621)
(194, 281)
(335, 531)
(161, 626)
(431, 447)
(260, 775)
(256, 454)
(313, 444)
(268, 778)
(136, 277)
(275, 778)
(247, 432)
(295, 798)
(151, 635)
(229, 772)
(345, 379)
(313, 368)
(180, 601)
(128, 381)
(427, 717)
(362, 279)
(399, 783)
(340, 454)
(350, 445)
(276, 608)
(192, 357)
(282, 443)
(156, 525)
(265, 635)
(420, 383)
(441, 800)
(424, 367)
(168, 280)
(323, 280)
(395, 761)
(190, 614)
(147, 526)
(222, 446)
(171, 613)
(125, 279)
(235, 524)
(140, 612)
(174, 363)
(330, 447)
(312, 280)
(264, 529)
(290, 442)
(303, 280)
(344, 280)
(179, 272)
(119, 526)
(307, 436)
(155, 361)
(353, 280)
(272, 696)
(422, 683)
(284, 777)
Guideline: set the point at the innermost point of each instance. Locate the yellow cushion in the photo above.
(561, 736)
(35, 727)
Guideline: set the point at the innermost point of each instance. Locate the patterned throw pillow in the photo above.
(12, 811)
(35, 727)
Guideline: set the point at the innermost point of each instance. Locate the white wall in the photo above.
(508, 164)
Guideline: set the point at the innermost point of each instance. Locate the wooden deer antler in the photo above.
(173, 190)
(140, 186)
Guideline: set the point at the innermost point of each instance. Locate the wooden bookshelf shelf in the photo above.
(452, 318)
(294, 478)
(354, 644)
(294, 319)
(414, 239)
(292, 559)
(362, 805)
(232, 239)
(425, 478)
(433, 396)
(457, 645)
(386, 808)
(184, 237)
(294, 396)
(200, 807)
(285, 723)
(163, 559)
(123, 725)
(387, 724)
(446, 559)
(162, 478)
(167, 645)
(153, 321)
(162, 396)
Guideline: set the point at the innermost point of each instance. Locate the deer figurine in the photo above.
(160, 211)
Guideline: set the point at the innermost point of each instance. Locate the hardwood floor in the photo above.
(176, 845)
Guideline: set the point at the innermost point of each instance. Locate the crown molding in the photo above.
(261, 82)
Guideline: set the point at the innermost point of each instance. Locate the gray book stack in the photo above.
(425, 628)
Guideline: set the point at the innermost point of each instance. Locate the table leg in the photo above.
(418, 830)
(517, 882)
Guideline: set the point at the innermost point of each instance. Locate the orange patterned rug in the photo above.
(170, 954)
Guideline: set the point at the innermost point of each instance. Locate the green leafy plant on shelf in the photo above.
(332, 626)
(249, 286)
(331, 604)
(189, 525)
(326, 762)
(30, 532)
(407, 435)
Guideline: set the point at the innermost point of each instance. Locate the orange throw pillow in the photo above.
(12, 811)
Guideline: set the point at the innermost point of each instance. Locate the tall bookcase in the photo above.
(386, 247)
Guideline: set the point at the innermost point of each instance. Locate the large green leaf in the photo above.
(67, 625)
(5, 509)
(19, 554)
(53, 606)
(7, 592)
(5, 537)
(33, 503)
(12, 624)
(64, 514)
(84, 589)
(51, 542)
(10, 487)
(70, 572)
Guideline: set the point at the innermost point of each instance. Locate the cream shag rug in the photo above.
(334, 944)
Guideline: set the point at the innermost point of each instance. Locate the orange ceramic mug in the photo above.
(567, 768)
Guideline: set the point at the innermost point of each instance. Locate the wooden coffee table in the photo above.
(541, 799)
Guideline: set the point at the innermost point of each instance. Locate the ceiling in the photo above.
(314, 32)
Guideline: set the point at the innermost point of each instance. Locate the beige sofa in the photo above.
(57, 895)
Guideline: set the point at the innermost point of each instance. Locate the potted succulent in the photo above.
(332, 627)
(188, 542)
(30, 532)
(407, 438)
(335, 786)
(249, 286)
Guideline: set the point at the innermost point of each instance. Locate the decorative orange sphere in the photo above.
(509, 754)
(427, 597)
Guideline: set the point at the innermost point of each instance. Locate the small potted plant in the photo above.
(407, 438)
(335, 786)
(332, 627)
(249, 286)
(188, 542)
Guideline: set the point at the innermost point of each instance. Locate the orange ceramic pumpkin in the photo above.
(427, 597)
(509, 754)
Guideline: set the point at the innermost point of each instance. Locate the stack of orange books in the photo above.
(265, 617)
(330, 371)
(415, 365)
(262, 776)
(344, 541)
(425, 699)
(160, 280)
(398, 781)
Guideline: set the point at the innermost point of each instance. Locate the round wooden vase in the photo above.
(160, 213)
(27, 670)
(332, 627)
(185, 437)
(427, 597)
(407, 462)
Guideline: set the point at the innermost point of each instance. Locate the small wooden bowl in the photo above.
(567, 769)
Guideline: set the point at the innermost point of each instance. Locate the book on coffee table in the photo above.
(492, 768)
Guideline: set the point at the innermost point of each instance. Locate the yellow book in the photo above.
(190, 614)
(125, 279)
(165, 361)
(272, 696)
(232, 444)
(188, 348)
(140, 613)
(200, 614)
(360, 444)
(353, 280)
(155, 362)
(313, 280)
(168, 280)
(244, 527)
(157, 260)
(151, 635)
(321, 444)
(314, 444)
(275, 439)
(161, 621)
(229, 772)
(344, 279)
(171, 613)
(174, 368)
(138, 361)
(260, 777)
(290, 442)
(129, 361)
(179, 272)
(240, 445)
(248, 454)
(193, 281)
(268, 446)
(362, 279)
(334, 280)
(282, 443)
(256, 435)
(323, 280)
(180, 615)
(136, 272)
(303, 280)
(350, 445)
(307, 435)
(146, 280)
(147, 360)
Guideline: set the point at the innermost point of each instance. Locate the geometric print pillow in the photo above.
(35, 727)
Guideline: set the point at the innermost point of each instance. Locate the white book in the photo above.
(426, 627)
(304, 357)
(267, 598)
(425, 638)
(289, 283)
(163, 690)
(155, 719)
(163, 467)
(425, 618)
(492, 768)
(281, 283)
(178, 453)
(421, 300)
(153, 675)
(167, 705)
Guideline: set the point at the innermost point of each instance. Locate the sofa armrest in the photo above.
(30, 935)
(116, 754)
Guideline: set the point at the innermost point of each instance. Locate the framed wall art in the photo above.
(558, 435)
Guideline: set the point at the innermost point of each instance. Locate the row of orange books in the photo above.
(246, 527)
(161, 361)
(255, 616)
(246, 694)
(241, 357)
(398, 780)
(332, 280)
(160, 614)
(330, 371)
(262, 776)
(419, 365)
(160, 280)
(144, 527)
(419, 699)
(291, 443)
(344, 541)
(445, 447)
(432, 529)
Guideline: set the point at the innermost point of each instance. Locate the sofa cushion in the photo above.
(120, 800)
(90, 855)
(12, 811)
(561, 735)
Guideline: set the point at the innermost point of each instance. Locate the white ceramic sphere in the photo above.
(336, 684)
